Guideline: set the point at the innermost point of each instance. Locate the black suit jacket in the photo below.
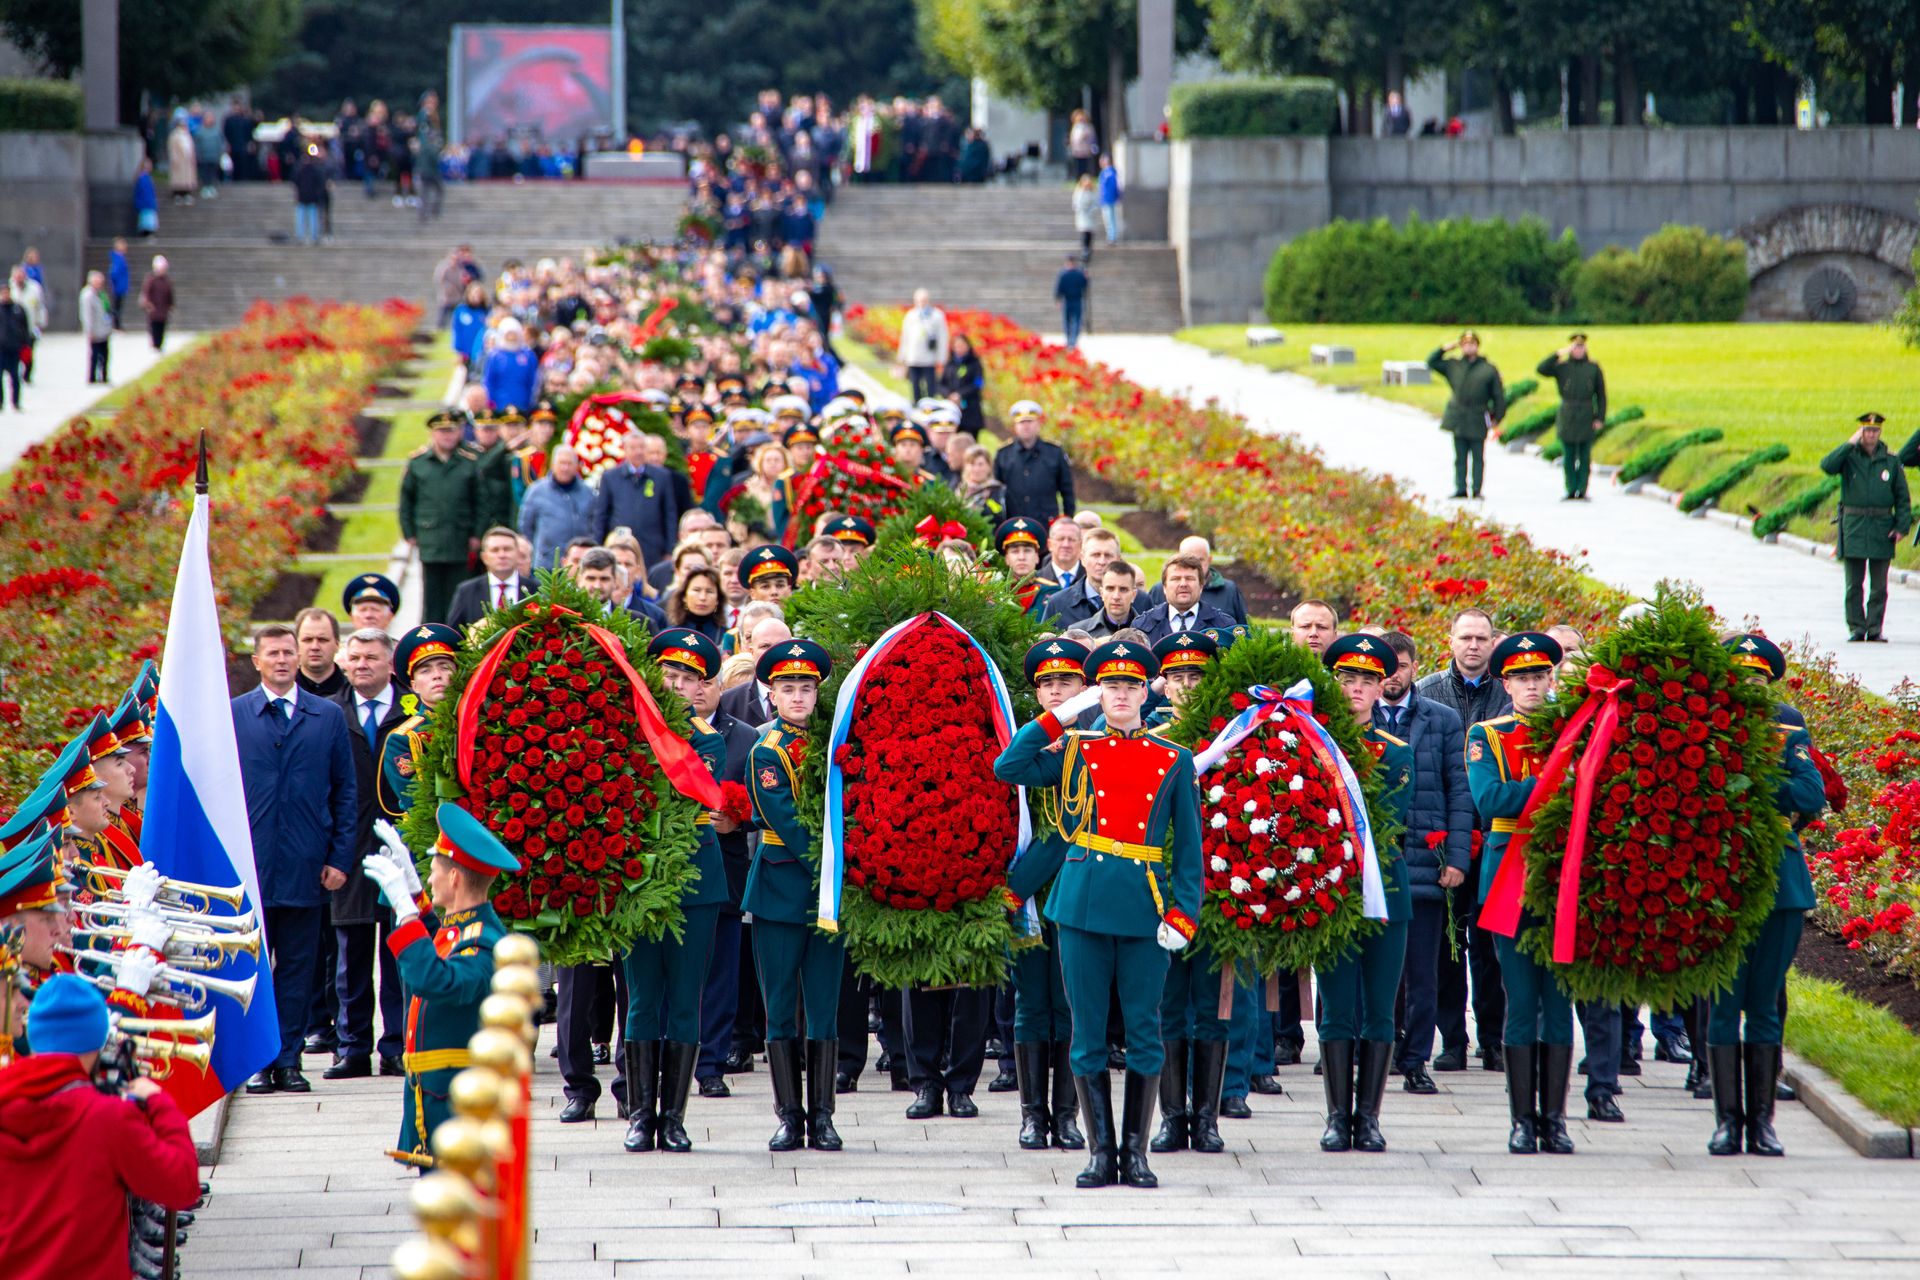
(746, 704)
(1156, 624)
(472, 599)
(736, 847)
(358, 900)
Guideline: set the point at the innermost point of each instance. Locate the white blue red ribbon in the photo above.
(832, 837)
(1294, 710)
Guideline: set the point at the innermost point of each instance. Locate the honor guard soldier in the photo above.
(424, 658)
(1502, 764)
(110, 845)
(769, 572)
(1019, 542)
(1875, 511)
(1357, 990)
(439, 513)
(371, 600)
(854, 533)
(129, 724)
(909, 441)
(798, 965)
(801, 440)
(1126, 893)
(661, 1051)
(1754, 1061)
(446, 964)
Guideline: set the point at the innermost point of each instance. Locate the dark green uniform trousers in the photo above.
(437, 583)
(1757, 987)
(1190, 1004)
(1465, 453)
(1538, 1008)
(1868, 577)
(1039, 995)
(1576, 463)
(1096, 966)
(1357, 990)
(798, 966)
(665, 980)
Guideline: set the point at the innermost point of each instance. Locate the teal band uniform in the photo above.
(1357, 989)
(447, 970)
(796, 963)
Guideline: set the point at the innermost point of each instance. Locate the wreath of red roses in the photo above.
(853, 473)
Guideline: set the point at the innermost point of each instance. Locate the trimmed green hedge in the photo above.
(42, 106)
(1804, 503)
(1520, 391)
(1530, 426)
(1650, 460)
(1455, 271)
(1713, 486)
(1678, 275)
(1295, 106)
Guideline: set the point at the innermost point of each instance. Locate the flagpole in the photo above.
(200, 471)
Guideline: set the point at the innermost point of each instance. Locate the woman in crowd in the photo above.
(1086, 214)
(697, 602)
(978, 488)
(963, 381)
(767, 489)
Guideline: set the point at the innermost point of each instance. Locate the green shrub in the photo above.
(1713, 486)
(1455, 271)
(1520, 391)
(1551, 450)
(1530, 426)
(42, 105)
(1678, 275)
(1650, 460)
(1295, 106)
(1804, 503)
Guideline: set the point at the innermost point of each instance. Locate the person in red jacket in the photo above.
(74, 1154)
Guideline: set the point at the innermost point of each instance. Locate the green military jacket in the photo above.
(1875, 507)
(1477, 394)
(780, 880)
(711, 888)
(399, 757)
(493, 486)
(1500, 776)
(1583, 396)
(447, 970)
(1801, 794)
(439, 505)
(1396, 763)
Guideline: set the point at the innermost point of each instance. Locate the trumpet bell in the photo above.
(162, 1054)
(234, 897)
(198, 1029)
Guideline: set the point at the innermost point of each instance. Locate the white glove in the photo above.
(137, 970)
(1170, 938)
(398, 851)
(141, 886)
(1070, 710)
(149, 929)
(386, 873)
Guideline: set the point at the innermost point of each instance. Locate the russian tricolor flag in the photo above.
(196, 816)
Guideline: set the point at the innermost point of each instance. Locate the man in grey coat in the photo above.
(556, 509)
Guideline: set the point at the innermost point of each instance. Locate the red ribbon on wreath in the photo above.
(652, 323)
(1501, 914)
(932, 533)
(816, 475)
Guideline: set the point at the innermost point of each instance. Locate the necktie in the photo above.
(1393, 720)
(371, 725)
(1066, 578)
(281, 709)
(1182, 621)
(502, 589)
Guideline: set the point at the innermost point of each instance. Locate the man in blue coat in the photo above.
(296, 766)
(639, 497)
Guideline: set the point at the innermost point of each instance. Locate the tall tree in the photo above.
(1365, 46)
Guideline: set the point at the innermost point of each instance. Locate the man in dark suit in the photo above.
(296, 765)
(1037, 473)
(639, 497)
(499, 586)
(1080, 601)
(373, 707)
(748, 702)
(1182, 608)
(1220, 592)
(720, 1002)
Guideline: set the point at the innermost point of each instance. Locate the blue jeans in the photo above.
(306, 224)
(1070, 319)
(1110, 215)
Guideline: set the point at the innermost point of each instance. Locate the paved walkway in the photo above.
(1626, 540)
(60, 388)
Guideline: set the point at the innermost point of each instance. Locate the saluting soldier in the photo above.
(1357, 989)
(1501, 767)
(661, 1051)
(446, 963)
(1126, 893)
(1019, 541)
(424, 658)
(798, 965)
(1583, 408)
(439, 506)
(1477, 404)
(1756, 993)
(1875, 511)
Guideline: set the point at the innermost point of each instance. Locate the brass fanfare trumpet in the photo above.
(182, 919)
(186, 988)
(177, 890)
(194, 950)
(198, 1029)
(160, 1055)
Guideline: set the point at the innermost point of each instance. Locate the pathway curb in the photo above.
(1848, 1117)
(209, 1130)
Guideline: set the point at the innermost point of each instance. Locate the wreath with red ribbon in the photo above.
(853, 473)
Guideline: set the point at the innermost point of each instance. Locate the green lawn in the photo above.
(1865, 1048)
(1800, 385)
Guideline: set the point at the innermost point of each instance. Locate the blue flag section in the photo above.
(196, 817)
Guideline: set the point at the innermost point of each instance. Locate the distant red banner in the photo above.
(556, 82)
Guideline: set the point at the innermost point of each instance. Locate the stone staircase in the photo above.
(995, 248)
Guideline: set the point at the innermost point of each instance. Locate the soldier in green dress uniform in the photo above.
(855, 534)
(1126, 893)
(493, 468)
(424, 658)
(446, 964)
(661, 1052)
(439, 513)
(1477, 404)
(1019, 542)
(1583, 407)
(1763, 971)
(798, 964)
(1875, 511)
(1501, 767)
(1042, 1024)
(1357, 989)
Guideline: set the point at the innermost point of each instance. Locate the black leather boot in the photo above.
(1723, 1061)
(1336, 1081)
(1173, 1099)
(1209, 1069)
(1136, 1118)
(1556, 1072)
(1066, 1133)
(1031, 1065)
(1375, 1057)
(676, 1080)
(1761, 1070)
(643, 1083)
(822, 1058)
(1522, 1097)
(1095, 1093)
(783, 1064)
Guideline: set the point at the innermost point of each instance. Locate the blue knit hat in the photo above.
(69, 1015)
